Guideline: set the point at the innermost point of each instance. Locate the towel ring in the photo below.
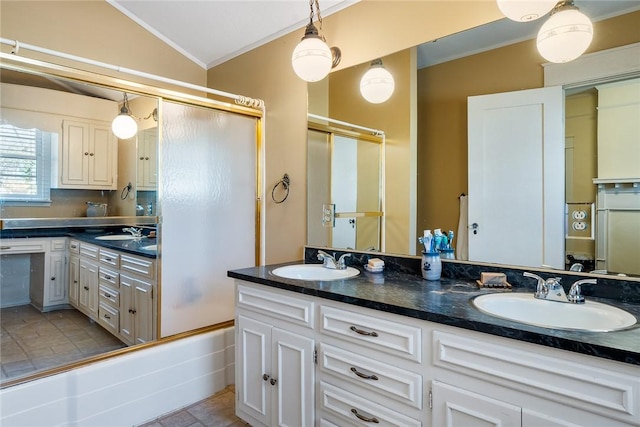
(285, 184)
(125, 191)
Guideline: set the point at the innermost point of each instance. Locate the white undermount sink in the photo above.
(117, 237)
(150, 248)
(525, 308)
(314, 272)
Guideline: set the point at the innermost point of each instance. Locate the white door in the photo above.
(455, 407)
(253, 375)
(293, 374)
(344, 189)
(516, 177)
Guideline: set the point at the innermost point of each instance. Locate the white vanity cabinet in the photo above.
(114, 288)
(274, 357)
(377, 368)
(137, 284)
(88, 156)
(47, 266)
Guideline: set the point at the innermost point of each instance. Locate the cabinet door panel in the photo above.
(294, 373)
(58, 280)
(455, 407)
(253, 349)
(143, 296)
(75, 153)
(100, 156)
(74, 279)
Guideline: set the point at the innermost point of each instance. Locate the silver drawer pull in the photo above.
(107, 277)
(363, 418)
(265, 377)
(361, 332)
(86, 288)
(107, 295)
(107, 317)
(273, 381)
(365, 376)
(108, 259)
(5, 248)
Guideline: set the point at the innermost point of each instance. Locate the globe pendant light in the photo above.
(566, 35)
(525, 10)
(311, 59)
(377, 85)
(124, 126)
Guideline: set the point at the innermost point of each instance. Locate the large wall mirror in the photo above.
(121, 190)
(445, 81)
(131, 238)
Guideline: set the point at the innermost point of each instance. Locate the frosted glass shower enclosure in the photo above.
(207, 213)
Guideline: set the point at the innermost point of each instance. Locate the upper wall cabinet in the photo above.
(88, 156)
(147, 159)
(84, 152)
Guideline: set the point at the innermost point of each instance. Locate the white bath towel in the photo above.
(462, 249)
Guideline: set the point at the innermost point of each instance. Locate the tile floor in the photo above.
(216, 411)
(31, 341)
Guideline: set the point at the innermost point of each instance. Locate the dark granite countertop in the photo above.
(447, 302)
(134, 246)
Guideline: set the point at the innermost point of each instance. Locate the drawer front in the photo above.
(74, 247)
(21, 246)
(109, 296)
(375, 333)
(388, 381)
(58, 245)
(89, 251)
(109, 277)
(110, 258)
(138, 265)
(273, 304)
(576, 384)
(357, 411)
(108, 317)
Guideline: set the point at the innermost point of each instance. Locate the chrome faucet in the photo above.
(135, 232)
(575, 293)
(549, 289)
(329, 261)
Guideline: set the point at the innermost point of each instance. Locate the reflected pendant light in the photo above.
(311, 59)
(525, 10)
(377, 85)
(566, 35)
(124, 126)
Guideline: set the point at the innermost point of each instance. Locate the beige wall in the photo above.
(442, 112)
(364, 31)
(94, 30)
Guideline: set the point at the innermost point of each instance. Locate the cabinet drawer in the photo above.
(109, 277)
(58, 245)
(21, 246)
(108, 317)
(110, 258)
(389, 381)
(138, 265)
(89, 251)
(354, 410)
(375, 333)
(109, 296)
(274, 304)
(74, 247)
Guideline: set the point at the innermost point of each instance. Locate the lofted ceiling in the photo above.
(210, 32)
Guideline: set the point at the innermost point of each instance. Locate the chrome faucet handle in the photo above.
(328, 261)
(341, 262)
(575, 293)
(542, 289)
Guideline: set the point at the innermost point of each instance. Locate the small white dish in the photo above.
(373, 269)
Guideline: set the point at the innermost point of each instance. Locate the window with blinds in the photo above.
(25, 164)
